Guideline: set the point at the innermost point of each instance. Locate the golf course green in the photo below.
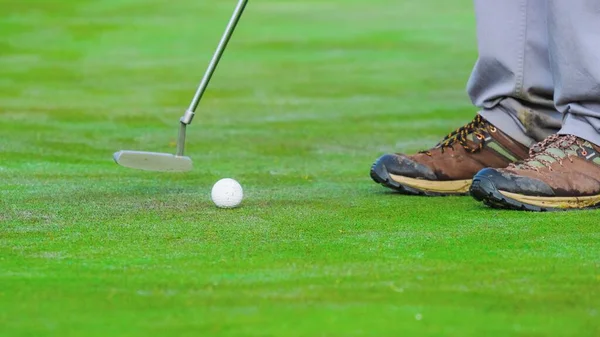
(308, 94)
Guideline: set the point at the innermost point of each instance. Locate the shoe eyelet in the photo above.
(493, 129)
(480, 137)
(584, 153)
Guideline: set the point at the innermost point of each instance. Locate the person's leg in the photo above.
(511, 82)
(512, 86)
(563, 171)
(574, 28)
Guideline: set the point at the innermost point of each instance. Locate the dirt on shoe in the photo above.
(561, 173)
(449, 167)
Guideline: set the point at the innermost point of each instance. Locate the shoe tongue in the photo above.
(561, 148)
(469, 137)
(588, 144)
(465, 133)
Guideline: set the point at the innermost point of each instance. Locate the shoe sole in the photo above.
(484, 190)
(411, 186)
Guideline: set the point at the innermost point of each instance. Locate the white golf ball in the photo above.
(227, 193)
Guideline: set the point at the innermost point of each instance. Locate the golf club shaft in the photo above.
(181, 139)
(189, 114)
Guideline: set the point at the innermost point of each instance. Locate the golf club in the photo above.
(166, 162)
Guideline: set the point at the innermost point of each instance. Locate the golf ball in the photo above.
(227, 193)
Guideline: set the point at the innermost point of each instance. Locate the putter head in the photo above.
(153, 161)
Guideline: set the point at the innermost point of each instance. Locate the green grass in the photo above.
(308, 95)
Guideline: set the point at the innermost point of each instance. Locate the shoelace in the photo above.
(561, 142)
(460, 136)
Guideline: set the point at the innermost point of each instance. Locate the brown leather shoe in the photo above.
(562, 173)
(449, 167)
